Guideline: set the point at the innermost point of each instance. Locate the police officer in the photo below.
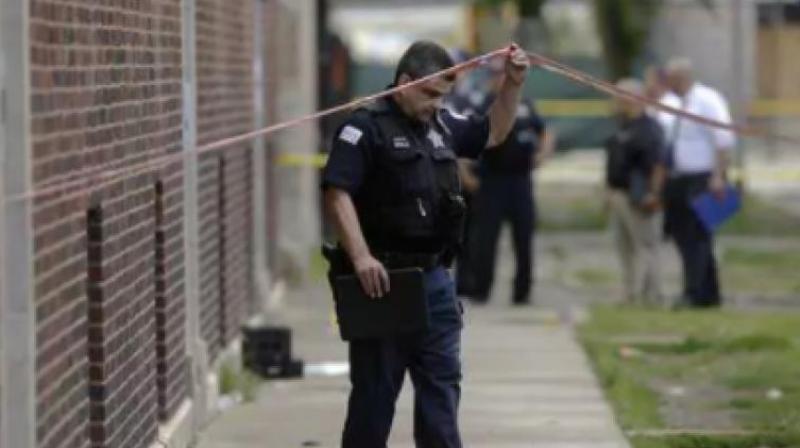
(506, 194)
(392, 189)
(473, 94)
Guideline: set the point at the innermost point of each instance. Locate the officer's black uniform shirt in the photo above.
(638, 145)
(516, 154)
(357, 155)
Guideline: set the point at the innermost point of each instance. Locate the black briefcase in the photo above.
(403, 310)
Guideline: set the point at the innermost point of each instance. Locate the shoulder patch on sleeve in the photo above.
(351, 134)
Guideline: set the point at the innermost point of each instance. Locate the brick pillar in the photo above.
(17, 313)
(222, 317)
(196, 346)
(260, 275)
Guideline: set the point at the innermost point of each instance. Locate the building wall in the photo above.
(720, 42)
(296, 94)
(106, 92)
(225, 109)
(778, 65)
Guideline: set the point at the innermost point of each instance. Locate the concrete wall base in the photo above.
(232, 356)
(178, 432)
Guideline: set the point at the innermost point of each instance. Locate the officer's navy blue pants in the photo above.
(432, 358)
(695, 244)
(503, 197)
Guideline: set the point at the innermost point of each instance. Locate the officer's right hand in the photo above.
(372, 275)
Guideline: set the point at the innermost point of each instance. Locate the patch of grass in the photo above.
(759, 217)
(762, 271)
(228, 379)
(687, 441)
(318, 266)
(688, 346)
(755, 343)
(571, 208)
(742, 403)
(594, 277)
(747, 354)
(635, 404)
(233, 380)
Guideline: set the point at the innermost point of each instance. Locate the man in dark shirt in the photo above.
(391, 186)
(506, 194)
(635, 174)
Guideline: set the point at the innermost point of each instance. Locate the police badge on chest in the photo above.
(401, 142)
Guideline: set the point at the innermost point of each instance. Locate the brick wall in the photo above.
(106, 88)
(106, 92)
(225, 108)
(121, 290)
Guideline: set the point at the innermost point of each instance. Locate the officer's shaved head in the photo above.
(423, 58)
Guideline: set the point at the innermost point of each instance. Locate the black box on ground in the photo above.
(267, 351)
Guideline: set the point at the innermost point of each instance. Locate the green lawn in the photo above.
(569, 208)
(775, 271)
(736, 368)
(759, 217)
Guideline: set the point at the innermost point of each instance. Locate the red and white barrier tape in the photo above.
(88, 180)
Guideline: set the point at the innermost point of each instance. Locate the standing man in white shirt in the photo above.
(699, 160)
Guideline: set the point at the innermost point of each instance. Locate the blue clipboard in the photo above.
(714, 212)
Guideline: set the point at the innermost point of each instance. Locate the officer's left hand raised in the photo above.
(517, 64)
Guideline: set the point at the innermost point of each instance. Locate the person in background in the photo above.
(473, 94)
(699, 160)
(657, 89)
(635, 175)
(505, 193)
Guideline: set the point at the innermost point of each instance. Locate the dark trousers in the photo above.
(378, 367)
(503, 198)
(695, 244)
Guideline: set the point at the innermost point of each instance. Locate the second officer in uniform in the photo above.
(392, 189)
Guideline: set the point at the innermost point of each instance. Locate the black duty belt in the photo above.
(400, 260)
(340, 262)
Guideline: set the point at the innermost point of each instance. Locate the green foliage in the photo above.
(624, 26)
(526, 8)
(242, 381)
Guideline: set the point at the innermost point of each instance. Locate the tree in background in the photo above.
(623, 25)
(531, 31)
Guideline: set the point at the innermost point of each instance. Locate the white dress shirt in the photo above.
(694, 144)
(666, 119)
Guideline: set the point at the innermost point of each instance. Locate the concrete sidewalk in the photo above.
(527, 383)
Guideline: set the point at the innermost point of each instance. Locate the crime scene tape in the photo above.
(99, 176)
(88, 180)
(606, 87)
